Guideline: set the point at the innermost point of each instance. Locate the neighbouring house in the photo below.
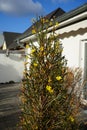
(27, 33)
(11, 58)
(7, 38)
(72, 32)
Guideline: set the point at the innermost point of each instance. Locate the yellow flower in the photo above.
(27, 57)
(33, 50)
(35, 64)
(49, 80)
(49, 88)
(43, 20)
(33, 31)
(41, 48)
(44, 53)
(58, 78)
(71, 118)
(27, 46)
(51, 23)
(57, 24)
(47, 20)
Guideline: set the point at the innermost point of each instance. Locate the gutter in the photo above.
(72, 13)
(61, 25)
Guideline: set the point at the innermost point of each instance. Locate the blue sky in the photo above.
(16, 15)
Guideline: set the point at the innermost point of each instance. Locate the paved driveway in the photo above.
(10, 110)
(9, 106)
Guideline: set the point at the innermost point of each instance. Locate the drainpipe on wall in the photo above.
(7, 52)
(82, 58)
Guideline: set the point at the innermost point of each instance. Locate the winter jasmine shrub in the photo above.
(49, 100)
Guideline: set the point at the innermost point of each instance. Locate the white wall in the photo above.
(71, 38)
(73, 50)
(11, 67)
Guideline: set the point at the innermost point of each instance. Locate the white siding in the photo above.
(74, 50)
(72, 43)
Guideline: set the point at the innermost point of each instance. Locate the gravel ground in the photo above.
(9, 106)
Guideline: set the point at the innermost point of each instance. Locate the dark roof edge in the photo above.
(66, 16)
(72, 13)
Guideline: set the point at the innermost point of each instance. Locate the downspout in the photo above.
(7, 52)
(83, 100)
(81, 65)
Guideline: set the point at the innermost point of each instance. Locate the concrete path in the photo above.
(9, 106)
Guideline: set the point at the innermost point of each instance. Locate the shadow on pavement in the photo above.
(10, 122)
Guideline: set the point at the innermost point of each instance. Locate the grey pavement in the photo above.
(9, 106)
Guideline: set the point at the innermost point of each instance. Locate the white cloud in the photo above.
(20, 7)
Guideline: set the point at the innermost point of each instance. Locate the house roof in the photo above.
(56, 13)
(72, 13)
(60, 17)
(15, 45)
(9, 37)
